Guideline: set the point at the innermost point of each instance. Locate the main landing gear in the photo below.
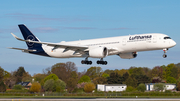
(102, 62)
(86, 61)
(165, 50)
(90, 62)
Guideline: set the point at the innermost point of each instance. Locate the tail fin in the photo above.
(28, 35)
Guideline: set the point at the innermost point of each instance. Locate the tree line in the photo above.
(63, 76)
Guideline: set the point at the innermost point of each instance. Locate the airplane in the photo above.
(125, 47)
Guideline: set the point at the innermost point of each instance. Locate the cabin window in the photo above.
(167, 38)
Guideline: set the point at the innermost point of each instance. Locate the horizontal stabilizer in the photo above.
(24, 50)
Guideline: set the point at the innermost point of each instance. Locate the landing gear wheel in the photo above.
(164, 56)
(86, 62)
(102, 62)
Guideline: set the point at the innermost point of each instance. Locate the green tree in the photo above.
(89, 87)
(59, 85)
(157, 72)
(115, 78)
(26, 77)
(72, 82)
(35, 87)
(84, 78)
(171, 80)
(108, 71)
(49, 85)
(159, 87)
(2, 86)
(169, 69)
(131, 82)
(100, 80)
(51, 76)
(17, 87)
(19, 74)
(39, 78)
(130, 89)
(136, 71)
(94, 72)
(105, 75)
(1, 74)
(121, 72)
(125, 76)
(141, 87)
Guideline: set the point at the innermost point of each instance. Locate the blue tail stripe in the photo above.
(28, 35)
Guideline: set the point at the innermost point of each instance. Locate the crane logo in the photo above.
(30, 37)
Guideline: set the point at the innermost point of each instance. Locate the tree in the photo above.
(17, 87)
(131, 82)
(141, 87)
(89, 87)
(2, 86)
(141, 79)
(171, 80)
(39, 78)
(59, 85)
(49, 85)
(108, 71)
(125, 76)
(1, 74)
(35, 87)
(157, 72)
(63, 70)
(105, 75)
(51, 76)
(169, 69)
(84, 78)
(115, 78)
(99, 80)
(121, 72)
(72, 82)
(156, 80)
(19, 74)
(130, 89)
(26, 77)
(178, 86)
(136, 71)
(94, 72)
(159, 87)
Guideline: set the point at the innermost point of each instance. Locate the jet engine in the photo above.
(98, 52)
(128, 55)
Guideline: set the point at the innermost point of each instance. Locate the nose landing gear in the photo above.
(165, 50)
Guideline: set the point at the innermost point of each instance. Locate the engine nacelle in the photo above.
(128, 55)
(98, 52)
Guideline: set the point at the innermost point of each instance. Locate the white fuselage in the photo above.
(122, 44)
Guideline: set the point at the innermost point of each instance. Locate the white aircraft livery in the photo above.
(124, 46)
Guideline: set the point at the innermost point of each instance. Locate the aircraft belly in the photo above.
(59, 53)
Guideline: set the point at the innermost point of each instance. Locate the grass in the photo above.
(88, 97)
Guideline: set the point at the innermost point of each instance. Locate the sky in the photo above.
(70, 20)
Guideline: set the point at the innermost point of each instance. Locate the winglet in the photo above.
(17, 37)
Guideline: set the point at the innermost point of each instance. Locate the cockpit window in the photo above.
(167, 38)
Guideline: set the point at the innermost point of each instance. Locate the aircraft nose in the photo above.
(173, 43)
